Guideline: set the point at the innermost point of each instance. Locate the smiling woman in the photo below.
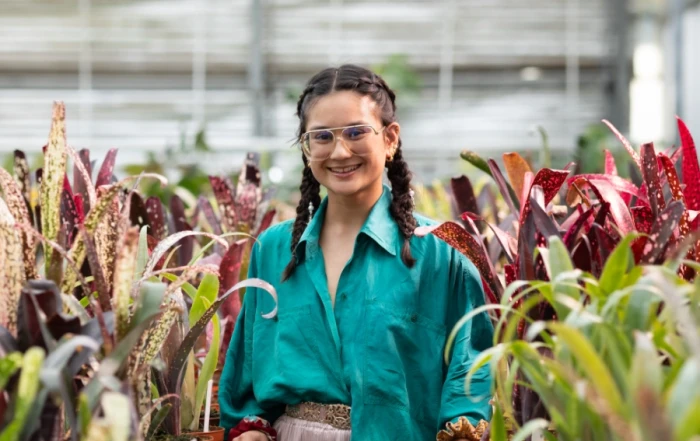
(364, 305)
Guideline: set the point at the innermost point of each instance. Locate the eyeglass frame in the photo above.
(335, 138)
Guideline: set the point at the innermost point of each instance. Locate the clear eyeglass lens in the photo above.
(320, 144)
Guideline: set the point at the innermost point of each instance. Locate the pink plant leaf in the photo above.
(689, 167)
(676, 192)
(266, 221)
(610, 167)
(619, 210)
(507, 242)
(622, 185)
(573, 231)
(662, 231)
(104, 177)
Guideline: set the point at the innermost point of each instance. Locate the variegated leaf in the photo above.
(22, 174)
(106, 236)
(224, 197)
(52, 177)
(248, 194)
(17, 206)
(11, 269)
(124, 268)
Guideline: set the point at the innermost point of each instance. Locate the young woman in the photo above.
(364, 307)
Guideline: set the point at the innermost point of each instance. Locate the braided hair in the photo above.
(364, 82)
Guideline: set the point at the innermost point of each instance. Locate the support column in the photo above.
(256, 71)
(85, 71)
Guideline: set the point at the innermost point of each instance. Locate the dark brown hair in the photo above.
(364, 82)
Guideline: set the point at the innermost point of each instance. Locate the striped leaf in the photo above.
(12, 275)
(125, 266)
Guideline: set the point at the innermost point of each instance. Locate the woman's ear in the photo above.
(391, 136)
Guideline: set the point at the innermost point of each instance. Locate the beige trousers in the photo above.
(294, 429)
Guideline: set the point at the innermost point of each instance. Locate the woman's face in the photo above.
(345, 173)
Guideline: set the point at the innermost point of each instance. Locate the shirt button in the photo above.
(414, 318)
(343, 296)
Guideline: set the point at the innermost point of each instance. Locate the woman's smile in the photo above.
(345, 171)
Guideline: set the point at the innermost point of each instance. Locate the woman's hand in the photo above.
(252, 435)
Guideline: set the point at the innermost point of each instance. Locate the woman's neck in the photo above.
(351, 212)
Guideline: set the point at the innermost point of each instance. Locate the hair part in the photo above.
(365, 82)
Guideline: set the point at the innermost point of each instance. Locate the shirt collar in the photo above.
(380, 226)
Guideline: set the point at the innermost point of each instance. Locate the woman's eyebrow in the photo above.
(355, 123)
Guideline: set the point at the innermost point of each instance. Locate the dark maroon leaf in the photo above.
(606, 243)
(619, 210)
(527, 238)
(581, 256)
(506, 241)
(464, 198)
(689, 168)
(104, 177)
(458, 238)
(503, 186)
(138, 212)
(48, 299)
(661, 232)
(156, 218)
(545, 224)
(511, 273)
(70, 218)
(573, 231)
(618, 183)
(224, 197)
(177, 208)
(650, 173)
(79, 185)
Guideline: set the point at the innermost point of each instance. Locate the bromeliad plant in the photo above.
(590, 215)
(105, 255)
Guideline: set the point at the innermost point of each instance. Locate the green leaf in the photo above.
(684, 392)
(190, 290)
(142, 253)
(149, 302)
(498, 426)
(9, 364)
(157, 420)
(617, 266)
(209, 287)
(27, 390)
(206, 373)
(590, 363)
(646, 365)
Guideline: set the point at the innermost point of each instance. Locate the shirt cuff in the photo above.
(461, 428)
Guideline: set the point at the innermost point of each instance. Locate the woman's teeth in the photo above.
(344, 169)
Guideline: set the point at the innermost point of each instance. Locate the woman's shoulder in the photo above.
(276, 237)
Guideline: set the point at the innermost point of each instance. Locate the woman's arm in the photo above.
(474, 337)
(238, 405)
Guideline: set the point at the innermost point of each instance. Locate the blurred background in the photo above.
(194, 84)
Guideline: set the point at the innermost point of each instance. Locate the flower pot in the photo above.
(215, 432)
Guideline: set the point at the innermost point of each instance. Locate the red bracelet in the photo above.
(250, 423)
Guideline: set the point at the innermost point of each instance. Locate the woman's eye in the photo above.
(356, 132)
(323, 136)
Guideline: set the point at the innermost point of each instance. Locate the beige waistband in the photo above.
(335, 415)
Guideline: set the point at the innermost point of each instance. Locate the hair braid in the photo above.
(310, 194)
(402, 203)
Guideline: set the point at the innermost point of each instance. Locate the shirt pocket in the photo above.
(403, 359)
(286, 349)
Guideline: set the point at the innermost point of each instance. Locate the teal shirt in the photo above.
(379, 349)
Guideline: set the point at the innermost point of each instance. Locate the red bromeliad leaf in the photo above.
(458, 238)
(223, 191)
(620, 184)
(606, 243)
(79, 207)
(104, 176)
(676, 192)
(582, 255)
(661, 232)
(650, 173)
(80, 187)
(550, 181)
(573, 231)
(507, 242)
(229, 275)
(643, 218)
(152, 243)
(545, 224)
(265, 222)
(619, 210)
(22, 173)
(511, 273)
(516, 167)
(610, 167)
(209, 215)
(690, 168)
(624, 142)
(248, 193)
(156, 218)
(527, 242)
(69, 214)
(464, 198)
